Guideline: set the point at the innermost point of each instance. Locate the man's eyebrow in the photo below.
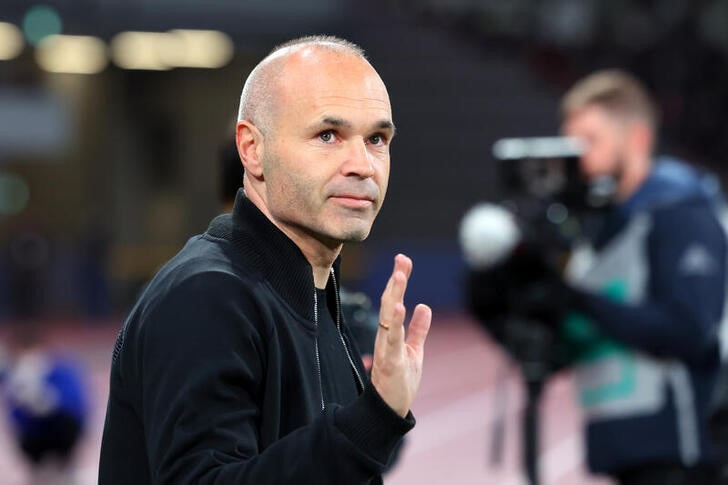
(342, 123)
(338, 122)
(387, 125)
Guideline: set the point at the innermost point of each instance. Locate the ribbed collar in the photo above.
(270, 252)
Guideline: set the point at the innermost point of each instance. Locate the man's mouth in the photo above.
(353, 200)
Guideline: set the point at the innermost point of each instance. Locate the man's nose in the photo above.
(358, 161)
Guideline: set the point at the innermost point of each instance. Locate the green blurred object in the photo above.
(14, 194)
(585, 343)
(41, 21)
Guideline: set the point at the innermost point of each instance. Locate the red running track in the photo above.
(456, 412)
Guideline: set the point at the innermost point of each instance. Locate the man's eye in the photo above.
(376, 139)
(326, 136)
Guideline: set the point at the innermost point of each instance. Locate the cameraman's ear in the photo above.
(250, 143)
(642, 137)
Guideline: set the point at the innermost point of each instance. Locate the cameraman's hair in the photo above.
(618, 92)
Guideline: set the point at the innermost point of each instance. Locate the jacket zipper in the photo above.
(316, 348)
(359, 380)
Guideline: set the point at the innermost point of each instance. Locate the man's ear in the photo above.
(249, 141)
(642, 137)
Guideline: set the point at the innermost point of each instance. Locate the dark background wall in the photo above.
(120, 166)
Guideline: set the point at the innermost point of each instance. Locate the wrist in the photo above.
(400, 408)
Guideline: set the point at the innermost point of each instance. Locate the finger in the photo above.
(419, 327)
(395, 334)
(392, 310)
(401, 264)
(399, 287)
(404, 264)
(389, 341)
(395, 289)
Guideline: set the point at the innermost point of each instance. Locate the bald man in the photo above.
(235, 366)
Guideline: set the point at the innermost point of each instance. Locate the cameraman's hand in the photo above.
(486, 292)
(524, 285)
(537, 290)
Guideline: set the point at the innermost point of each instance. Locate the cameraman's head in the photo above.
(613, 113)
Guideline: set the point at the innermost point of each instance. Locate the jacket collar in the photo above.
(270, 253)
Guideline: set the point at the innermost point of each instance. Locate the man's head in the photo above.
(612, 112)
(313, 133)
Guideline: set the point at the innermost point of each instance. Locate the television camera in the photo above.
(516, 250)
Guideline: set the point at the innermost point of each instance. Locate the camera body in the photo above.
(543, 186)
(522, 300)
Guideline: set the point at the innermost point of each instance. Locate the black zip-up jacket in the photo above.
(215, 375)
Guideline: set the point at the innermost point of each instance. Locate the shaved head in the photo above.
(260, 92)
(313, 134)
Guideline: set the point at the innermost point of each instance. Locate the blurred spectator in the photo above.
(47, 407)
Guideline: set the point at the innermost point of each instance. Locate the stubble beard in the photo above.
(302, 210)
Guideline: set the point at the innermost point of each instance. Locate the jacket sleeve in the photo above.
(684, 303)
(202, 364)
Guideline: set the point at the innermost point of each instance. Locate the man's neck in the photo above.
(634, 173)
(319, 255)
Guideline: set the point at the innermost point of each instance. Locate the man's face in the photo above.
(326, 153)
(604, 137)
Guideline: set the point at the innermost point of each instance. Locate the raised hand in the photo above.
(397, 366)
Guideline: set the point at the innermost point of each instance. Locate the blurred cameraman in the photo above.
(650, 294)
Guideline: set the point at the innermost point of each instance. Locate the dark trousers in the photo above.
(669, 474)
(58, 435)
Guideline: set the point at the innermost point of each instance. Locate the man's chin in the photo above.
(355, 236)
(350, 229)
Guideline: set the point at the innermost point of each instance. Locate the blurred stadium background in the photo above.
(112, 114)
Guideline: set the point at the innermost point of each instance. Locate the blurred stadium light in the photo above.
(201, 48)
(11, 41)
(73, 54)
(142, 50)
(177, 48)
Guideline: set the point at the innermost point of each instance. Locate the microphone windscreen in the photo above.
(488, 235)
